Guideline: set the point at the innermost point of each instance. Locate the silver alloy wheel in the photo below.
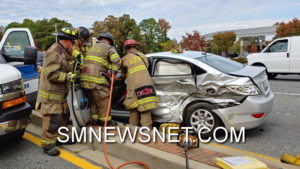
(201, 118)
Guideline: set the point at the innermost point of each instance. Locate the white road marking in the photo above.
(292, 94)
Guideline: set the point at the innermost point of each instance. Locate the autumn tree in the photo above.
(165, 27)
(169, 45)
(222, 42)
(41, 30)
(193, 41)
(121, 28)
(291, 28)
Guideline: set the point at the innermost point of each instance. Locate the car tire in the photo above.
(18, 134)
(205, 116)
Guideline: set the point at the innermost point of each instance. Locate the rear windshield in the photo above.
(222, 64)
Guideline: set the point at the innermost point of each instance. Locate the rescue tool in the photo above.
(187, 140)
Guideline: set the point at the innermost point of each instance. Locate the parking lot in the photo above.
(280, 133)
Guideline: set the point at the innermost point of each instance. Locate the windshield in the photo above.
(222, 64)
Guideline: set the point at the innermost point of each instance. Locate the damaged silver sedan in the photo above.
(199, 89)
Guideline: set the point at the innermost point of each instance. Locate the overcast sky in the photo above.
(205, 16)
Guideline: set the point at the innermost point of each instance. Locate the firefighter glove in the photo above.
(71, 77)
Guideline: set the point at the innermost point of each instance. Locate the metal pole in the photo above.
(55, 31)
(187, 166)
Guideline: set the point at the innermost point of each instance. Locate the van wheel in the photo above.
(200, 115)
(272, 75)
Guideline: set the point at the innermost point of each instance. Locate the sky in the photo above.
(205, 16)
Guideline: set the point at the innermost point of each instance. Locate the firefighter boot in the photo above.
(109, 123)
(51, 150)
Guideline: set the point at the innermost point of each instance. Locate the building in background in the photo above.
(252, 40)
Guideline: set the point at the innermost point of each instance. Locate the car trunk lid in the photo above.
(257, 74)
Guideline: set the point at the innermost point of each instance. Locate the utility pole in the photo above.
(55, 31)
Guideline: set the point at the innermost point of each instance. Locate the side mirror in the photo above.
(30, 55)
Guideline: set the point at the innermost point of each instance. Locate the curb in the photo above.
(160, 159)
(127, 151)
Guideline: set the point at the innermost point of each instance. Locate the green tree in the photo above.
(41, 30)
(236, 47)
(222, 42)
(152, 35)
(1, 35)
(291, 28)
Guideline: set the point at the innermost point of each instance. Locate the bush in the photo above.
(242, 60)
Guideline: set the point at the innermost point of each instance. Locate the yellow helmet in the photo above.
(67, 33)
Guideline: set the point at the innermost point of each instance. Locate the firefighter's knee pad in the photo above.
(54, 123)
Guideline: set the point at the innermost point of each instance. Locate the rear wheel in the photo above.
(200, 115)
(272, 75)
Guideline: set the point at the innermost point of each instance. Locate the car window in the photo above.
(279, 46)
(220, 63)
(15, 44)
(171, 68)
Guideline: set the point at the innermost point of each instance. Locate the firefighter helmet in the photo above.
(66, 33)
(84, 33)
(107, 36)
(131, 42)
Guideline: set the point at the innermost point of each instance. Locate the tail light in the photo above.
(258, 115)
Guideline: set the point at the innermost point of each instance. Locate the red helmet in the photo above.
(131, 42)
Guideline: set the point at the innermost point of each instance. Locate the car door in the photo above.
(277, 57)
(174, 82)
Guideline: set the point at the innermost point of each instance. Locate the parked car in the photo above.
(282, 56)
(200, 89)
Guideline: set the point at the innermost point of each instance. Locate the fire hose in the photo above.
(105, 124)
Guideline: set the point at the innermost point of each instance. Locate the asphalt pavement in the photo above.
(281, 132)
(22, 154)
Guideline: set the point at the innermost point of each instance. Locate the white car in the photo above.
(282, 56)
(198, 89)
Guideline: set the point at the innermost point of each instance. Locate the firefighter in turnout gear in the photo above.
(82, 44)
(99, 59)
(54, 86)
(141, 97)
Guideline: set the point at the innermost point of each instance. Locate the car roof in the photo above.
(190, 56)
(184, 54)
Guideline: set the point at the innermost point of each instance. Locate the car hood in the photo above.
(8, 73)
(249, 71)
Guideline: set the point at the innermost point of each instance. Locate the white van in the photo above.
(18, 81)
(282, 56)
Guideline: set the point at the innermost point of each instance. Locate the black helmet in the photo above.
(66, 33)
(107, 36)
(84, 33)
